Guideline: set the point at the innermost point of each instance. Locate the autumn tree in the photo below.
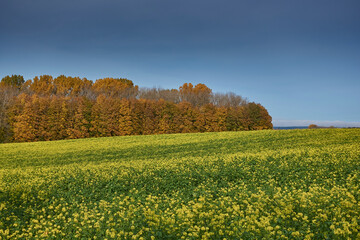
(186, 119)
(72, 86)
(6, 99)
(151, 116)
(9, 88)
(25, 118)
(257, 117)
(207, 119)
(43, 85)
(80, 118)
(137, 113)
(202, 94)
(197, 96)
(115, 87)
(105, 117)
(61, 118)
(312, 126)
(71, 107)
(168, 111)
(126, 125)
(15, 81)
(234, 120)
(55, 119)
(221, 114)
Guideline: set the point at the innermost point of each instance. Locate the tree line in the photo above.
(47, 108)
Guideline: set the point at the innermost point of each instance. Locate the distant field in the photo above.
(294, 184)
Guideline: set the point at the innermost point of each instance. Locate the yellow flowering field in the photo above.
(293, 184)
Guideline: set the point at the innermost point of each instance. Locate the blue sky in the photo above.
(300, 59)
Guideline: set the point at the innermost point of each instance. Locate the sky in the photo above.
(299, 59)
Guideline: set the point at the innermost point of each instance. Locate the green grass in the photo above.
(291, 184)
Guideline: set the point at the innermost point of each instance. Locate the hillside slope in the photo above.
(272, 184)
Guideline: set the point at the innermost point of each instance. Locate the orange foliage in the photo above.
(71, 86)
(43, 85)
(71, 107)
(115, 87)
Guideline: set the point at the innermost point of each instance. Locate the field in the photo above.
(295, 184)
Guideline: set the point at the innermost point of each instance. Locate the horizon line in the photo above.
(305, 123)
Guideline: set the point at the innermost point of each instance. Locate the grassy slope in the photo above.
(319, 167)
(161, 147)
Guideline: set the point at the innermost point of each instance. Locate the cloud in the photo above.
(287, 123)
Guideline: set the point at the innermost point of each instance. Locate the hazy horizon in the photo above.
(306, 123)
